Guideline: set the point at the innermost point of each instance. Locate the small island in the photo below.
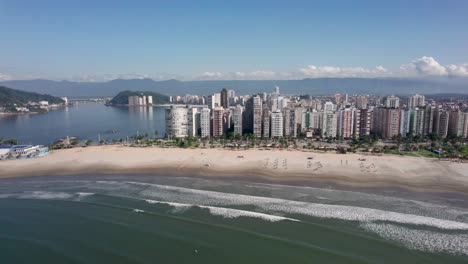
(138, 98)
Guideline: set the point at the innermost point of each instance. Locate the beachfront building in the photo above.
(227, 118)
(237, 120)
(458, 124)
(217, 121)
(266, 121)
(257, 116)
(289, 122)
(205, 120)
(429, 112)
(177, 122)
(417, 122)
(276, 124)
(441, 122)
(386, 122)
(416, 100)
(364, 119)
(346, 122)
(405, 122)
(330, 124)
(28, 151)
(193, 121)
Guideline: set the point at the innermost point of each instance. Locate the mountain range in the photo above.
(315, 86)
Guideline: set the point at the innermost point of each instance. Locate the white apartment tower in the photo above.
(276, 124)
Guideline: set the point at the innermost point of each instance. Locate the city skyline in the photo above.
(235, 41)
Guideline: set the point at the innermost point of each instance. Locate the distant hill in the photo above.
(11, 97)
(122, 97)
(316, 86)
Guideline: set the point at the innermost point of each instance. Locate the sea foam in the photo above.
(421, 239)
(225, 212)
(266, 204)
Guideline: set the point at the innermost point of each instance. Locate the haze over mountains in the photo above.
(316, 86)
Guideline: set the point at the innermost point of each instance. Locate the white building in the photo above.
(177, 122)
(193, 125)
(330, 124)
(392, 102)
(405, 124)
(205, 121)
(237, 120)
(276, 124)
(328, 107)
(416, 100)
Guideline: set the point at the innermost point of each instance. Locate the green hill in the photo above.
(122, 97)
(9, 98)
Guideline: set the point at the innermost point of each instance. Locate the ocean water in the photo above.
(157, 219)
(85, 121)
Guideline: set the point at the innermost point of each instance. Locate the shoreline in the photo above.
(277, 166)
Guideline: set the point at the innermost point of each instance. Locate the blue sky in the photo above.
(97, 40)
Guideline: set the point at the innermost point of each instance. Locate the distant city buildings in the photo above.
(140, 100)
(272, 115)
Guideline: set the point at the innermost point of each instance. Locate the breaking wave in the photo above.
(225, 212)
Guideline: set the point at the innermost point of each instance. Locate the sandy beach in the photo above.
(273, 165)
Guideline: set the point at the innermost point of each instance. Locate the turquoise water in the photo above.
(149, 219)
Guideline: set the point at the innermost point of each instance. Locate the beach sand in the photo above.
(274, 165)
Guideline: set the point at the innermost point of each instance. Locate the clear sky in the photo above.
(96, 40)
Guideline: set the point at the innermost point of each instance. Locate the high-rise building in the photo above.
(276, 124)
(150, 99)
(429, 113)
(328, 107)
(277, 90)
(405, 122)
(217, 121)
(289, 122)
(232, 97)
(217, 99)
(361, 102)
(330, 124)
(458, 124)
(257, 116)
(224, 98)
(237, 120)
(364, 119)
(205, 122)
(417, 122)
(416, 101)
(210, 101)
(266, 121)
(227, 118)
(441, 122)
(177, 124)
(316, 119)
(193, 123)
(386, 122)
(392, 102)
(338, 99)
(346, 122)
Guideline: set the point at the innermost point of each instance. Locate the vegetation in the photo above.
(122, 97)
(8, 141)
(11, 98)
